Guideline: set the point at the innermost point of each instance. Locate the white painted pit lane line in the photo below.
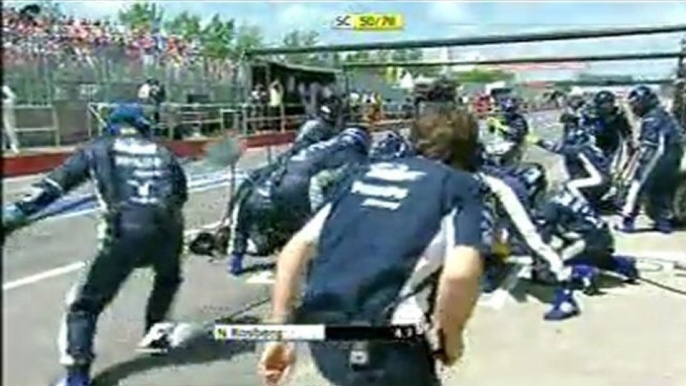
(73, 267)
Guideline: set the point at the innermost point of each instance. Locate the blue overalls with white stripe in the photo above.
(656, 173)
(586, 165)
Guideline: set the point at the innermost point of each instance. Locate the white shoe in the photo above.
(158, 339)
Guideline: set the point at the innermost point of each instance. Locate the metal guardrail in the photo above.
(11, 121)
(172, 116)
(245, 118)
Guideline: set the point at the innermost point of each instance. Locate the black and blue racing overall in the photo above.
(142, 189)
(656, 170)
(587, 241)
(517, 200)
(611, 130)
(514, 131)
(586, 165)
(515, 226)
(282, 200)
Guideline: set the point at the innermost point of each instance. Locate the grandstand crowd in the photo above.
(31, 33)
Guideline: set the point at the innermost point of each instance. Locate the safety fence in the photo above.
(43, 76)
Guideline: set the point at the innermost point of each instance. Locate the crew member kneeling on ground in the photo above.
(587, 242)
(253, 195)
(516, 227)
(143, 189)
(392, 226)
(282, 202)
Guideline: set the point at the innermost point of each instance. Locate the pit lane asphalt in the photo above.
(631, 336)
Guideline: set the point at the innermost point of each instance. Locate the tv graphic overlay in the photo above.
(318, 332)
(370, 22)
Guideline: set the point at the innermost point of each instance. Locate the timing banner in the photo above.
(302, 332)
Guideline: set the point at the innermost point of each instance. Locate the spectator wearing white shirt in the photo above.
(276, 102)
(144, 92)
(9, 121)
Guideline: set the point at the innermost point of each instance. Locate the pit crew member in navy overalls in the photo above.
(655, 177)
(394, 227)
(143, 189)
(282, 200)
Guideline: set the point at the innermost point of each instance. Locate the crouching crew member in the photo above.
(282, 201)
(587, 242)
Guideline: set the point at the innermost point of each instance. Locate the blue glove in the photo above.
(13, 218)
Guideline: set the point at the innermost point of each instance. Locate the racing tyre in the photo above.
(679, 203)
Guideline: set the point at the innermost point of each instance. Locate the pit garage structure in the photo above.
(477, 41)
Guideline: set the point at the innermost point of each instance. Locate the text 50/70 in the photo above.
(370, 22)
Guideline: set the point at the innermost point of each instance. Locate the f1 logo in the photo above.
(343, 22)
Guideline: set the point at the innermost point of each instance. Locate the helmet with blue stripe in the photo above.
(604, 102)
(577, 135)
(358, 136)
(330, 109)
(604, 98)
(642, 99)
(127, 118)
(391, 146)
(509, 105)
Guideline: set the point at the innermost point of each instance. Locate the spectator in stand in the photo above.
(8, 118)
(158, 95)
(276, 102)
(257, 107)
(31, 34)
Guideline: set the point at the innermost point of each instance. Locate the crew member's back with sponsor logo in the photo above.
(377, 231)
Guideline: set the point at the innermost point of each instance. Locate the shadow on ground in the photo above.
(258, 267)
(546, 293)
(201, 348)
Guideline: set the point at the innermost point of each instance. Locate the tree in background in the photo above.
(186, 25)
(248, 37)
(141, 15)
(480, 76)
(217, 38)
(300, 38)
